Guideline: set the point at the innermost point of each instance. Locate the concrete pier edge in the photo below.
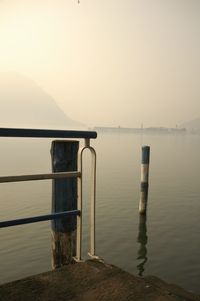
(92, 280)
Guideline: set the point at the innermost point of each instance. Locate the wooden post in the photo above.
(64, 198)
(144, 179)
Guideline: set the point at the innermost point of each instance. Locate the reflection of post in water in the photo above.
(142, 240)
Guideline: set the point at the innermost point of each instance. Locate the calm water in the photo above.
(166, 244)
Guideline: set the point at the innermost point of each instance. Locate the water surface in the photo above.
(165, 244)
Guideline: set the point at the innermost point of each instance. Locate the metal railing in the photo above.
(45, 133)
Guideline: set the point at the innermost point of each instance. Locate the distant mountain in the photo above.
(25, 104)
(192, 125)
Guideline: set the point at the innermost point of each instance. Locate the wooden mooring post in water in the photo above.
(144, 179)
(64, 197)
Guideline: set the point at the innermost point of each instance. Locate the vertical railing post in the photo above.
(144, 179)
(64, 198)
(92, 251)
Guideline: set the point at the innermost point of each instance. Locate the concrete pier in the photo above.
(92, 280)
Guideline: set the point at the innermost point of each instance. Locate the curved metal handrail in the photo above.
(91, 252)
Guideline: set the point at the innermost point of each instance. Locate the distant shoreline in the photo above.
(149, 130)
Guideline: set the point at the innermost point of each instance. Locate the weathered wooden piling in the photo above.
(64, 198)
(144, 179)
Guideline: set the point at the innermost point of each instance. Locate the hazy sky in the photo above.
(108, 62)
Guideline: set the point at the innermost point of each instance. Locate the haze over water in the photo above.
(110, 62)
(114, 63)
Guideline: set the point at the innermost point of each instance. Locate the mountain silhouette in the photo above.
(23, 103)
(192, 125)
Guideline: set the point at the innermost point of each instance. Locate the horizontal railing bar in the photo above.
(56, 175)
(46, 133)
(41, 218)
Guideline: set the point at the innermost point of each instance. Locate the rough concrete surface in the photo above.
(92, 280)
